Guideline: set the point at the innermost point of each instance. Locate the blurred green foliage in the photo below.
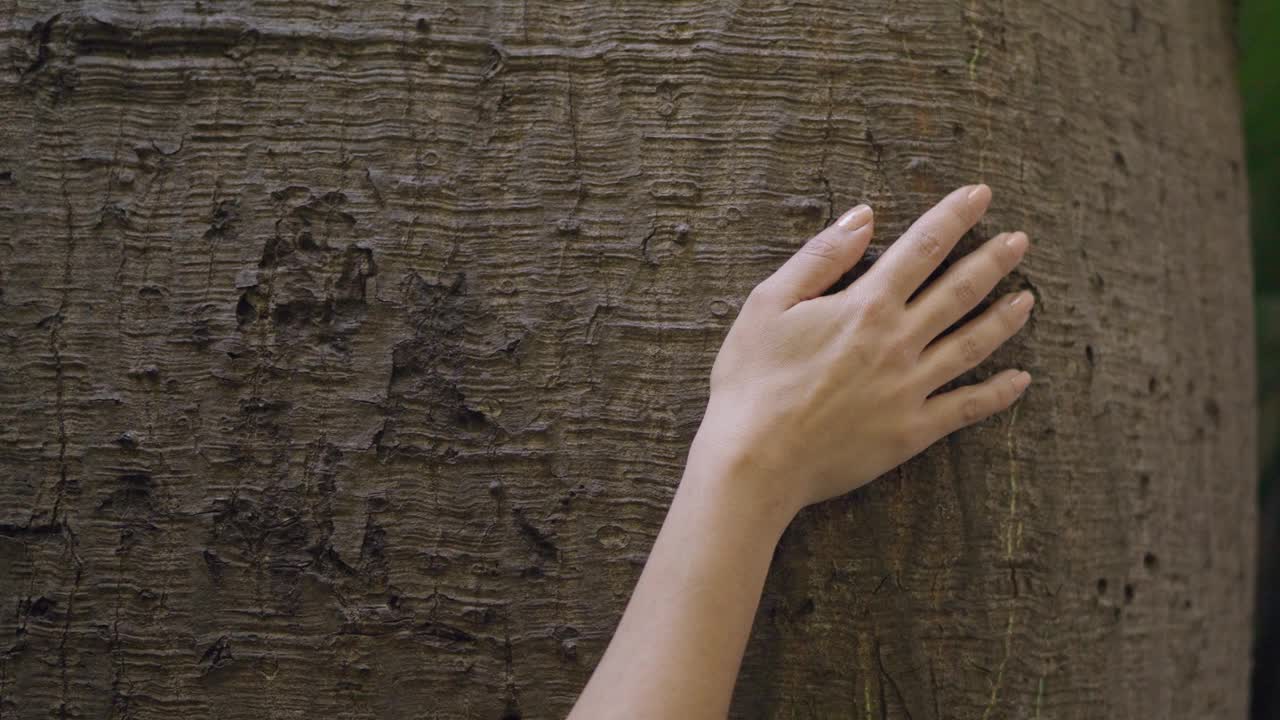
(1260, 85)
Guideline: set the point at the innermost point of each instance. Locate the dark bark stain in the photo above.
(40, 34)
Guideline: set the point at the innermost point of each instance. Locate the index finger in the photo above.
(908, 262)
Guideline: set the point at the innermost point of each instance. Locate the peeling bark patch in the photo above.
(540, 541)
(217, 656)
(612, 537)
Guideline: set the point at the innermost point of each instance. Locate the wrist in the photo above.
(730, 479)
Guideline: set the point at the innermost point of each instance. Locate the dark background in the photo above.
(1260, 83)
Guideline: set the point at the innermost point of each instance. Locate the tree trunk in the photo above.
(351, 351)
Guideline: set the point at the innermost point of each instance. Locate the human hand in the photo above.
(815, 395)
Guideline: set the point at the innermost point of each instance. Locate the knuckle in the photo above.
(901, 352)
(928, 244)
(971, 352)
(860, 352)
(971, 410)
(965, 292)
(821, 248)
(871, 310)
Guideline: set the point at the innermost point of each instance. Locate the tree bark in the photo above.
(351, 351)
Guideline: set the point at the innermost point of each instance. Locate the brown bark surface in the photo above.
(349, 352)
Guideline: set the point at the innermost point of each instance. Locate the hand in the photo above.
(813, 396)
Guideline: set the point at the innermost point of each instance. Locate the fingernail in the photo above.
(1021, 381)
(1017, 242)
(1024, 297)
(855, 218)
(978, 191)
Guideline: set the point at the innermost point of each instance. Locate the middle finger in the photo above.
(963, 285)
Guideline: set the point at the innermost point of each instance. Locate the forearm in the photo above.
(678, 647)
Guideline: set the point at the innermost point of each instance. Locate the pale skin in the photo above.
(812, 396)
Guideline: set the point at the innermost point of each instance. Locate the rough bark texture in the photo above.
(351, 351)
